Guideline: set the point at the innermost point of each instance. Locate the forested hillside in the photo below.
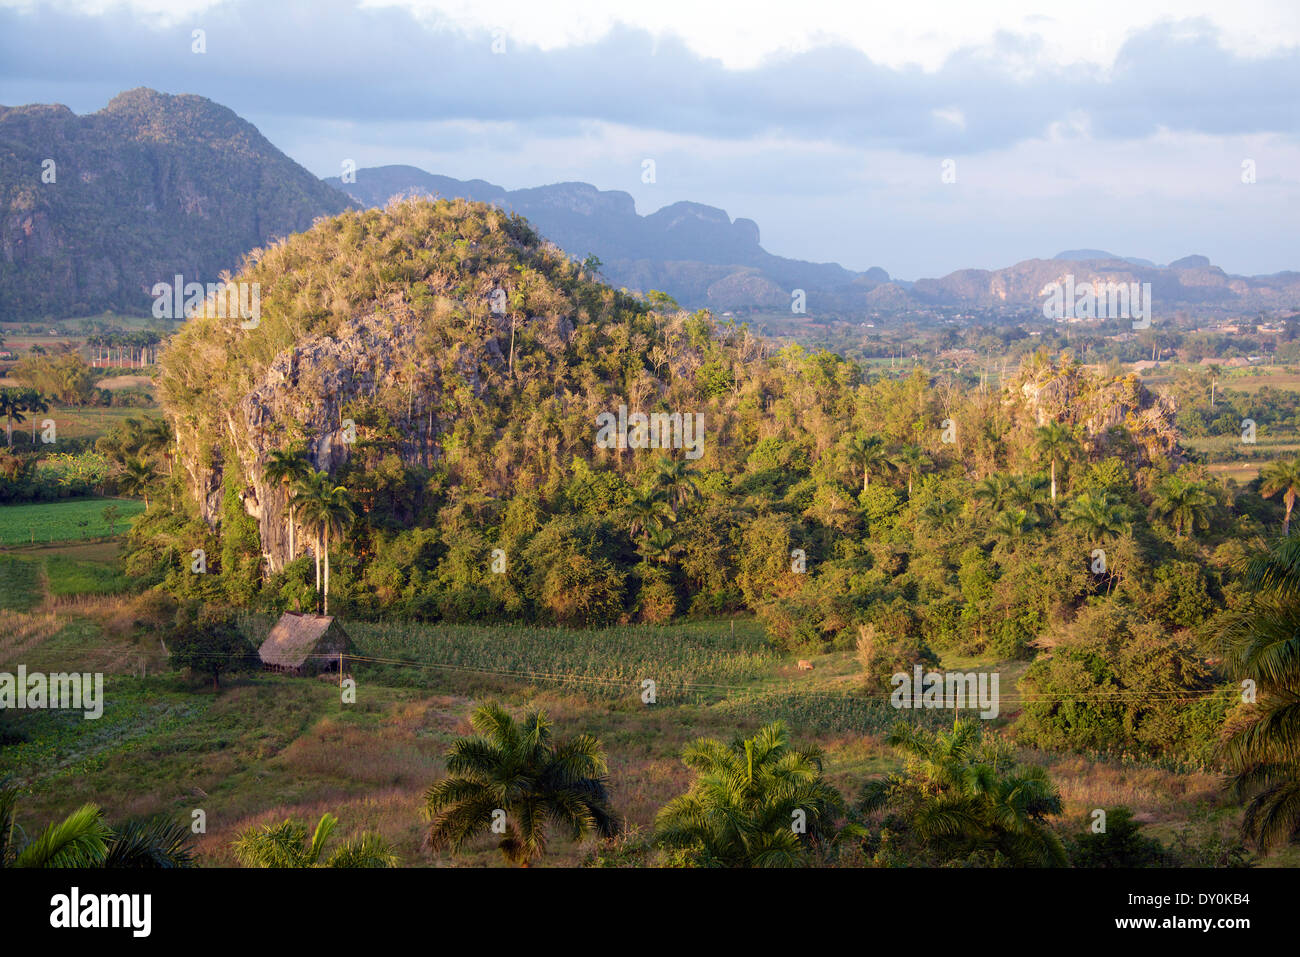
(1052, 519)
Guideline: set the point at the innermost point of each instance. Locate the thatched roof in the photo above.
(296, 638)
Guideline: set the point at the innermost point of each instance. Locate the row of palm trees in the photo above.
(1054, 443)
(15, 404)
(1185, 503)
(754, 802)
(315, 503)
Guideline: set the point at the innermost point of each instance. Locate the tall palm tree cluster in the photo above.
(871, 456)
(134, 349)
(316, 504)
(16, 404)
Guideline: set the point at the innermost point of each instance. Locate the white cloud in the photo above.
(742, 33)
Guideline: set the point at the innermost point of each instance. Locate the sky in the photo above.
(921, 137)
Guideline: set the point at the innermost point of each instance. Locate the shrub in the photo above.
(885, 652)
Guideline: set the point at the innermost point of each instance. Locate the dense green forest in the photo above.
(419, 402)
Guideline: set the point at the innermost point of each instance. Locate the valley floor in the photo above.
(266, 747)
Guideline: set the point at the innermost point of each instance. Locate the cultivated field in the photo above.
(64, 521)
(267, 747)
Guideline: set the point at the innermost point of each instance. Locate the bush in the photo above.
(208, 642)
(658, 598)
(1121, 844)
(572, 577)
(886, 652)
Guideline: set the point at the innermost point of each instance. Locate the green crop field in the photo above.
(20, 583)
(64, 521)
(695, 661)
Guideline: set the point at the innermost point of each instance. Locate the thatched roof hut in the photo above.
(305, 644)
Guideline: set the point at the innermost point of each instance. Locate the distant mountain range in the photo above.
(703, 258)
(95, 209)
(696, 253)
(1189, 282)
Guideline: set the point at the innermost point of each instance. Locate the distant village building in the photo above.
(305, 644)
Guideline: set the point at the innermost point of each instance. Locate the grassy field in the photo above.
(266, 747)
(70, 422)
(1254, 379)
(64, 521)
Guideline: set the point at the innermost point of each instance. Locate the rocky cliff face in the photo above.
(1189, 281)
(1098, 404)
(325, 392)
(310, 393)
(96, 209)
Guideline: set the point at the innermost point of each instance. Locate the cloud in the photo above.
(335, 62)
(835, 154)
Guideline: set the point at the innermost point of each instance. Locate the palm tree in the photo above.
(962, 796)
(1011, 526)
(136, 478)
(1026, 491)
(1098, 516)
(1055, 442)
(1282, 476)
(995, 492)
(84, 839)
(678, 481)
(659, 545)
(304, 497)
(510, 779)
(287, 467)
(35, 403)
(868, 454)
(326, 509)
(910, 460)
(742, 808)
(1186, 504)
(943, 514)
(156, 438)
(285, 845)
(647, 512)
(336, 513)
(1262, 643)
(12, 408)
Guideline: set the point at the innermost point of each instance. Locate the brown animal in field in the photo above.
(805, 664)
